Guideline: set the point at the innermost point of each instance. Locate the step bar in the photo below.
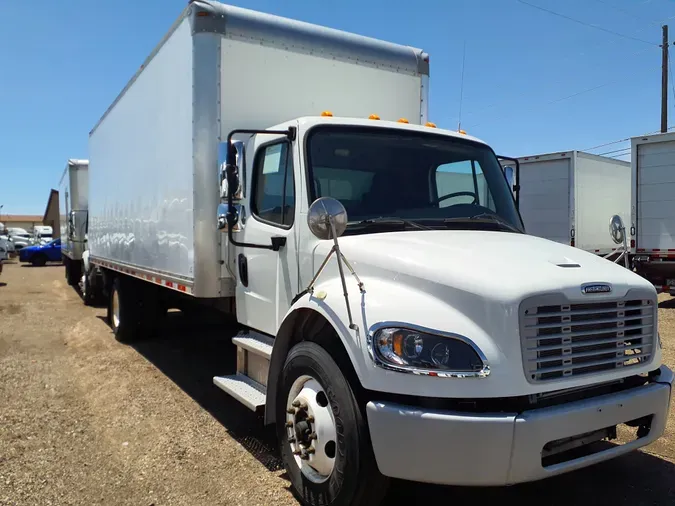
(247, 391)
(248, 385)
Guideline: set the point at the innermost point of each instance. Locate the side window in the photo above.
(273, 185)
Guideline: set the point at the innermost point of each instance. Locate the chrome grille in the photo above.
(561, 340)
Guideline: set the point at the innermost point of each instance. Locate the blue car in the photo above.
(40, 254)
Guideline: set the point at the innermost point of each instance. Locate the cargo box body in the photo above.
(653, 209)
(154, 186)
(569, 197)
(653, 195)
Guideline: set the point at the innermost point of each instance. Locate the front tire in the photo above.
(324, 439)
(38, 260)
(73, 272)
(88, 295)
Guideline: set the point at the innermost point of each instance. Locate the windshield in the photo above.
(427, 179)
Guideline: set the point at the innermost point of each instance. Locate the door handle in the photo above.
(243, 269)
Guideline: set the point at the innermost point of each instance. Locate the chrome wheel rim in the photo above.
(311, 429)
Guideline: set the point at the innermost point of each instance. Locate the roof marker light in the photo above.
(430, 124)
(327, 113)
(463, 132)
(373, 116)
(403, 120)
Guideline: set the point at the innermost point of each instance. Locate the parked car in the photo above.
(40, 254)
(3, 254)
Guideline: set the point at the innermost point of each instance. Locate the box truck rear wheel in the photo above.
(123, 312)
(329, 458)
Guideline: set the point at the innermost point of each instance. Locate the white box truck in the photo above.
(652, 211)
(73, 216)
(395, 321)
(570, 196)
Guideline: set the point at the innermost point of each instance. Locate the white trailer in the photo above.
(451, 326)
(570, 196)
(73, 216)
(653, 211)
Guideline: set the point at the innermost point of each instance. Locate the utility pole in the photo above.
(664, 80)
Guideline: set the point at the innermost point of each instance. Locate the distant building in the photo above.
(25, 221)
(51, 217)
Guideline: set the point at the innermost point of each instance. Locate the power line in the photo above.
(623, 140)
(524, 93)
(615, 151)
(567, 97)
(606, 30)
(628, 13)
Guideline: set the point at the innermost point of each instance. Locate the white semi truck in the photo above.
(652, 231)
(73, 216)
(394, 319)
(570, 196)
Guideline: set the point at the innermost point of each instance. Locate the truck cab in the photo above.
(456, 325)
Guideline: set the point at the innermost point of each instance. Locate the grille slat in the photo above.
(579, 344)
(587, 333)
(589, 364)
(568, 340)
(588, 322)
(600, 351)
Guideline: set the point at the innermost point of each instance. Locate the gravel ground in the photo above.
(86, 420)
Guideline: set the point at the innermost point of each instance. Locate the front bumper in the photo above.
(454, 448)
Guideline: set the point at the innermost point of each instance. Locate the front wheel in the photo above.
(324, 439)
(88, 295)
(38, 260)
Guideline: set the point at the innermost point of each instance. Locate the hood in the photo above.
(485, 263)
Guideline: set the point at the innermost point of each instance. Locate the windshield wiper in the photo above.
(386, 221)
(485, 218)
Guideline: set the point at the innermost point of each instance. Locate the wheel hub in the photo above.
(311, 430)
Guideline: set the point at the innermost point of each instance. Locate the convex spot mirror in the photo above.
(326, 215)
(616, 229)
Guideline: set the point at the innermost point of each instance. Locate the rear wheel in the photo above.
(134, 309)
(324, 439)
(123, 313)
(38, 260)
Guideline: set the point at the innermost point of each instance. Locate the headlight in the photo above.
(426, 352)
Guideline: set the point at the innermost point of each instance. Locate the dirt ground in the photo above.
(86, 420)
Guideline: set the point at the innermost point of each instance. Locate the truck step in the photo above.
(244, 389)
(255, 342)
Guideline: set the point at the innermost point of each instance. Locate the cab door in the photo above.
(267, 280)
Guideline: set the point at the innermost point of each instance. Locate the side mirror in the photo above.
(616, 229)
(230, 171)
(327, 218)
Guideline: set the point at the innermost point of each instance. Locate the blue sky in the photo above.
(63, 62)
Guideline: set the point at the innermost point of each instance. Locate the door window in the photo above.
(273, 185)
